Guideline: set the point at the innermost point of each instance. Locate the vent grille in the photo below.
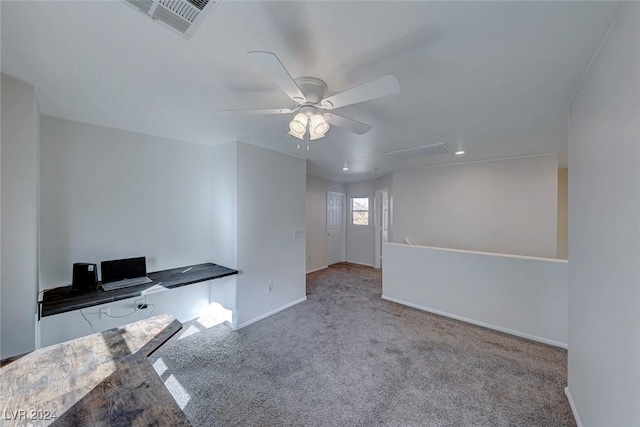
(200, 4)
(143, 5)
(171, 19)
(181, 8)
(425, 150)
(182, 16)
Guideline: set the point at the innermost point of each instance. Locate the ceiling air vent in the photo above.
(425, 150)
(181, 16)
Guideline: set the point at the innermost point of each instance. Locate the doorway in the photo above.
(381, 221)
(336, 230)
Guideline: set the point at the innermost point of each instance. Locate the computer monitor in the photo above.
(120, 269)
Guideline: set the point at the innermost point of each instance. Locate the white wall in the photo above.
(111, 194)
(1, 216)
(108, 194)
(224, 170)
(19, 202)
(360, 238)
(1, 138)
(316, 221)
(505, 206)
(224, 183)
(563, 214)
(184, 303)
(524, 296)
(604, 231)
(271, 207)
(381, 183)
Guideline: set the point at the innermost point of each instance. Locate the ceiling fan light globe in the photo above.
(296, 127)
(299, 123)
(322, 128)
(318, 125)
(314, 136)
(296, 134)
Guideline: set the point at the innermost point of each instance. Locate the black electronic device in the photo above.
(120, 269)
(85, 277)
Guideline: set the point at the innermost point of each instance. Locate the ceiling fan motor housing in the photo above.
(312, 88)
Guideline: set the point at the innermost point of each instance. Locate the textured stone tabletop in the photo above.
(102, 379)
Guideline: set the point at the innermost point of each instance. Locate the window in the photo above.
(360, 210)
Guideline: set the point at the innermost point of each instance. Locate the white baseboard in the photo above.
(317, 269)
(360, 263)
(573, 407)
(230, 325)
(479, 323)
(37, 332)
(270, 313)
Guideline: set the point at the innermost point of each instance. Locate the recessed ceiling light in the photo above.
(459, 152)
(345, 168)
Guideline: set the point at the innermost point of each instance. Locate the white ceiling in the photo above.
(492, 78)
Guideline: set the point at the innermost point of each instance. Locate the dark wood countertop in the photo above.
(102, 379)
(60, 300)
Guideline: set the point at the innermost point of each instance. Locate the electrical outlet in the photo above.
(140, 304)
(270, 287)
(308, 257)
(104, 311)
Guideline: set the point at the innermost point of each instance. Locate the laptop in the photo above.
(122, 273)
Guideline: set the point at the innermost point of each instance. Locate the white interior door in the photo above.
(335, 227)
(381, 214)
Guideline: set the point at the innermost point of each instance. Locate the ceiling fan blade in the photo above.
(260, 111)
(347, 124)
(272, 67)
(383, 86)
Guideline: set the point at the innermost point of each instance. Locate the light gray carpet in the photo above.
(345, 357)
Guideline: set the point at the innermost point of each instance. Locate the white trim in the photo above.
(317, 269)
(483, 161)
(343, 234)
(478, 323)
(595, 54)
(378, 226)
(465, 251)
(37, 332)
(351, 224)
(360, 263)
(230, 325)
(573, 406)
(269, 313)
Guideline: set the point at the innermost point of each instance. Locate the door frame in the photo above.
(343, 237)
(378, 217)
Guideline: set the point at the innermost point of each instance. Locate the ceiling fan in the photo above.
(309, 94)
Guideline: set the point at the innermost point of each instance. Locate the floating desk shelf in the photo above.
(61, 300)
